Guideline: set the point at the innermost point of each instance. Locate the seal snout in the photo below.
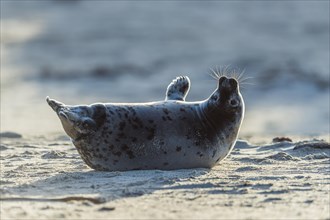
(228, 83)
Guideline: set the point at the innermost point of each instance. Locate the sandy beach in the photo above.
(84, 52)
(44, 178)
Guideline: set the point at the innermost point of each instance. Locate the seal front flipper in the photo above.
(178, 89)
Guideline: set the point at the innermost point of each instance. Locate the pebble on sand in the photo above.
(9, 134)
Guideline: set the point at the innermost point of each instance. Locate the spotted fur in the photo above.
(170, 134)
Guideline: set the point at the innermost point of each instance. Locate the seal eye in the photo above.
(215, 98)
(233, 103)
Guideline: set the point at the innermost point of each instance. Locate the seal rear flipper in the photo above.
(55, 105)
(178, 89)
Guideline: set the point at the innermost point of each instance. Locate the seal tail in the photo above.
(55, 105)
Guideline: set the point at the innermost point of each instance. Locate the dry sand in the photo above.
(44, 178)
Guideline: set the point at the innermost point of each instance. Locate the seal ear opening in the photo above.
(99, 114)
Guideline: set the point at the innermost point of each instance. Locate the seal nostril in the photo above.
(222, 78)
(233, 83)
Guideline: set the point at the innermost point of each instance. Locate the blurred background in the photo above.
(111, 51)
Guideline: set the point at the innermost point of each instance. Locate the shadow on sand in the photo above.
(99, 187)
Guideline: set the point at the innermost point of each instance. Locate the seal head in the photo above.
(225, 106)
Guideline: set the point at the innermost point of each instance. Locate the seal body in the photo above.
(170, 134)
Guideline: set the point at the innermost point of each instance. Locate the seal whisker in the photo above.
(220, 71)
(214, 75)
(247, 83)
(226, 70)
(241, 75)
(217, 71)
(248, 77)
(243, 87)
(244, 84)
(245, 79)
(235, 74)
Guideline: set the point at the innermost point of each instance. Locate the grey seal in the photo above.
(166, 135)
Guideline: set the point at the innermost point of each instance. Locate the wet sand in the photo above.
(43, 177)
